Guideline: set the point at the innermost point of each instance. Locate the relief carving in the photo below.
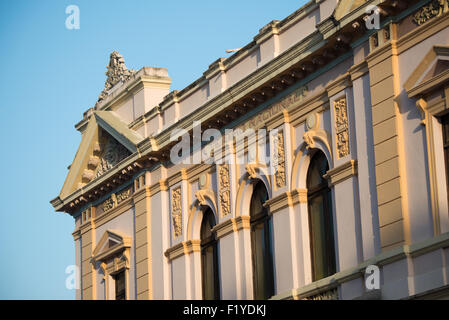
(115, 200)
(280, 161)
(326, 295)
(225, 189)
(114, 152)
(434, 9)
(341, 127)
(176, 212)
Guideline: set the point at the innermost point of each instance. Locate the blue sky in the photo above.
(50, 75)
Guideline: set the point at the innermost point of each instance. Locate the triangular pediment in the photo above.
(430, 73)
(111, 242)
(344, 7)
(105, 142)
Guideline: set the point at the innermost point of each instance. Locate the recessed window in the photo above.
(320, 218)
(120, 286)
(209, 257)
(262, 255)
(445, 126)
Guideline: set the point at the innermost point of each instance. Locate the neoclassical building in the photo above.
(348, 169)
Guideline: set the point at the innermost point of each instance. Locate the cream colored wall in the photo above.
(369, 220)
(123, 223)
(299, 31)
(355, 199)
(420, 210)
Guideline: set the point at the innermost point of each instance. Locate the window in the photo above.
(209, 257)
(445, 125)
(120, 286)
(262, 255)
(320, 218)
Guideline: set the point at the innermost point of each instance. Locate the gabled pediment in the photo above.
(431, 72)
(111, 243)
(106, 141)
(345, 7)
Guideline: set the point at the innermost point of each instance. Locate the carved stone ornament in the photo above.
(176, 212)
(114, 152)
(341, 127)
(434, 9)
(279, 161)
(117, 72)
(326, 295)
(225, 189)
(116, 199)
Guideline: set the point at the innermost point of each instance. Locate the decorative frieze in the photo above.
(341, 127)
(276, 108)
(280, 161)
(434, 9)
(115, 199)
(326, 295)
(224, 189)
(176, 212)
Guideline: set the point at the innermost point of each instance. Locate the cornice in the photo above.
(342, 172)
(382, 259)
(183, 248)
(286, 199)
(358, 70)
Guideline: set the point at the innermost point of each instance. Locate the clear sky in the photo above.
(50, 75)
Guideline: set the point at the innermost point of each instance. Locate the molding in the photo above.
(123, 244)
(241, 222)
(183, 248)
(422, 33)
(358, 70)
(341, 83)
(224, 228)
(232, 225)
(341, 173)
(382, 259)
(429, 85)
(286, 199)
(113, 213)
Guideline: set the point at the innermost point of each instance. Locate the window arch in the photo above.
(262, 255)
(209, 257)
(319, 200)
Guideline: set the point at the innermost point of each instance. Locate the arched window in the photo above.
(320, 218)
(262, 255)
(209, 257)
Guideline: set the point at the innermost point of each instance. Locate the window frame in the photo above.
(321, 190)
(256, 220)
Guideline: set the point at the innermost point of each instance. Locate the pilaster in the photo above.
(388, 144)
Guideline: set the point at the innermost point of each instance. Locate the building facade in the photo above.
(315, 152)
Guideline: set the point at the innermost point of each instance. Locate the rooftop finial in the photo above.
(117, 71)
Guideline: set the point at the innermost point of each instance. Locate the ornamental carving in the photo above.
(278, 107)
(114, 152)
(117, 72)
(225, 189)
(115, 200)
(176, 212)
(341, 127)
(434, 9)
(279, 161)
(326, 295)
